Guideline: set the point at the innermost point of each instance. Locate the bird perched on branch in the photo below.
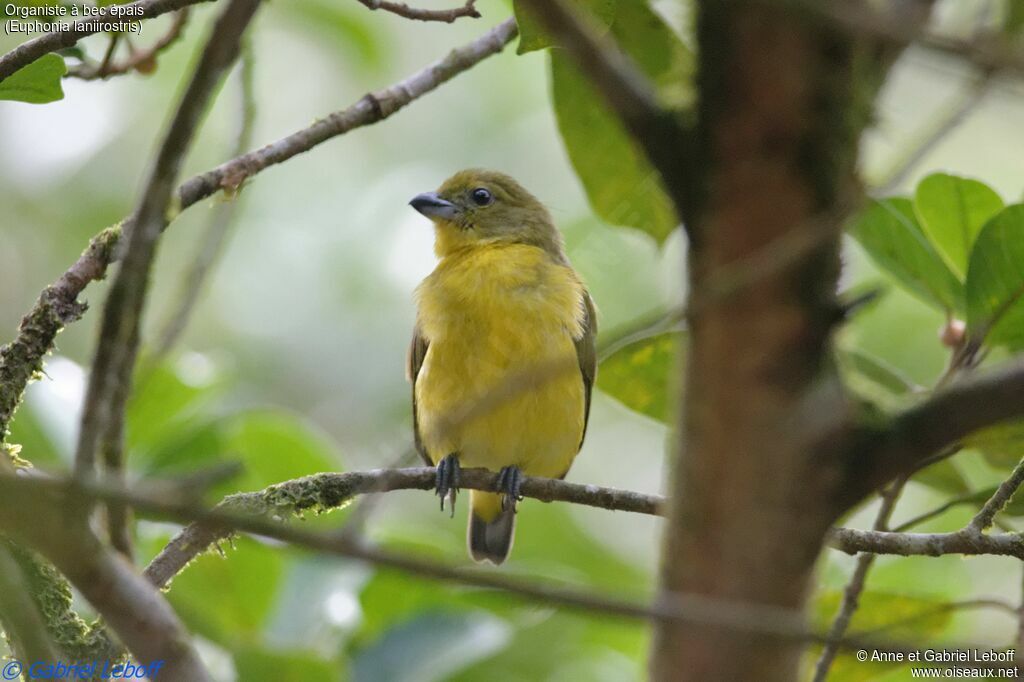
(502, 359)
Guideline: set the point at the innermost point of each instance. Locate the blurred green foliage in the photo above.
(293, 362)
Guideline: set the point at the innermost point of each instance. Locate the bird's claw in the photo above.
(510, 482)
(447, 485)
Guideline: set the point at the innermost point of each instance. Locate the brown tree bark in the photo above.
(778, 123)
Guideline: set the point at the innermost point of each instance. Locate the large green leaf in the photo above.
(995, 281)
(952, 211)
(891, 615)
(229, 599)
(533, 37)
(275, 447)
(621, 185)
(640, 375)
(899, 615)
(37, 83)
(889, 232)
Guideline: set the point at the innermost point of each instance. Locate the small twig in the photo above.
(31, 50)
(372, 108)
(933, 513)
(983, 519)
(447, 16)
(963, 542)
(854, 588)
(137, 60)
(109, 54)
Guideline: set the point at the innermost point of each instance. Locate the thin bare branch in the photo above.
(31, 50)
(447, 16)
(372, 108)
(983, 519)
(138, 60)
(963, 542)
(854, 588)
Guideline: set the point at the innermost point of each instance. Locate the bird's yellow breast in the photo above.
(494, 387)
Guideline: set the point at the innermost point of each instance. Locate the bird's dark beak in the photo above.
(433, 206)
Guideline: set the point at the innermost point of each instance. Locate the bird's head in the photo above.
(475, 207)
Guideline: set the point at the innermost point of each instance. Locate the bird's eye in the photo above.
(482, 197)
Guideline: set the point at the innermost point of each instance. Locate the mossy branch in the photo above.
(58, 305)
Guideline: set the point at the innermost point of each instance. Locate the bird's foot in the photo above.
(510, 481)
(447, 485)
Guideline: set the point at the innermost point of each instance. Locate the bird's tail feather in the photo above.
(491, 528)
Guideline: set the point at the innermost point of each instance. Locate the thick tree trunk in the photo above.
(777, 126)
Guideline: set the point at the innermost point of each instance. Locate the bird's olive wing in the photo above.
(417, 351)
(586, 353)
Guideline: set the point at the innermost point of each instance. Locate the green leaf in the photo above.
(164, 407)
(275, 447)
(639, 375)
(889, 232)
(432, 646)
(621, 185)
(952, 211)
(892, 615)
(533, 37)
(37, 83)
(943, 476)
(229, 599)
(1002, 445)
(900, 616)
(995, 281)
(874, 380)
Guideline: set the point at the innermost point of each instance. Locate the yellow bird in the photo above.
(499, 321)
